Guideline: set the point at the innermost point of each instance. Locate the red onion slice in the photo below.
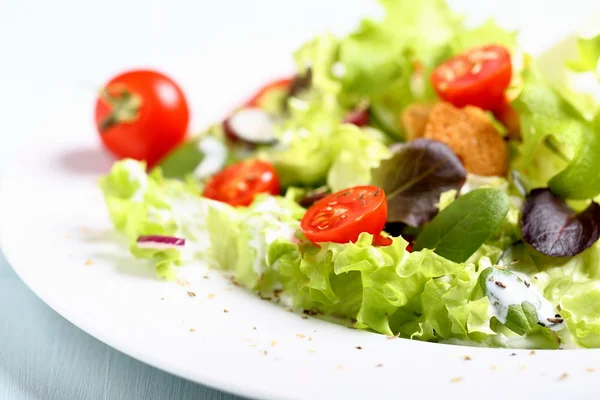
(358, 117)
(160, 242)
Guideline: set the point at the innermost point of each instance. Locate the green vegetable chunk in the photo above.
(462, 227)
(580, 179)
(182, 161)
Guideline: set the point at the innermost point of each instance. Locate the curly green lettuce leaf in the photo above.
(316, 147)
(265, 232)
(544, 114)
(147, 204)
(304, 153)
(412, 23)
(453, 309)
(320, 55)
(588, 50)
(357, 152)
(380, 287)
(487, 33)
(570, 282)
(371, 59)
(580, 179)
(581, 308)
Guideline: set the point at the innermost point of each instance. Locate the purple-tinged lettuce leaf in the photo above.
(555, 229)
(414, 178)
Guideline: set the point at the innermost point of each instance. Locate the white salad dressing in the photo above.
(271, 205)
(509, 289)
(265, 227)
(338, 70)
(136, 174)
(190, 214)
(215, 155)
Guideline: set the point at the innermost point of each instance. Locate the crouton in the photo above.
(472, 136)
(414, 118)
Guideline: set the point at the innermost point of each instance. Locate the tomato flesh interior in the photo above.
(478, 77)
(239, 183)
(341, 217)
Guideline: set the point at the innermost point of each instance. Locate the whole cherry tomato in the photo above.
(141, 114)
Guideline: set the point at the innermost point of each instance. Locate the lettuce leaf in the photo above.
(357, 151)
(372, 59)
(588, 50)
(387, 289)
(543, 114)
(384, 289)
(487, 33)
(569, 282)
(412, 24)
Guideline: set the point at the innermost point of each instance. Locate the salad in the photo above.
(418, 177)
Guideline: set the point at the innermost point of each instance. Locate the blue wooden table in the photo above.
(45, 357)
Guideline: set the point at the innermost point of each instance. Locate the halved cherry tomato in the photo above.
(141, 114)
(341, 217)
(478, 77)
(509, 118)
(280, 84)
(380, 240)
(239, 183)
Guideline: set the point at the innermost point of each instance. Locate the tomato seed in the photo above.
(476, 68)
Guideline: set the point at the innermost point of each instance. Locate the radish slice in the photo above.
(251, 125)
(358, 117)
(215, 156)
(160, 242)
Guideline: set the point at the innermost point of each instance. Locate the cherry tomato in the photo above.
(341, 217)
(509, 118)
(280, 84)
(141, 114)
(478, 77)
(239, 183)
(380, 240)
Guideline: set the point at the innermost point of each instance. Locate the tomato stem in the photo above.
(107, 122)
(124, 106)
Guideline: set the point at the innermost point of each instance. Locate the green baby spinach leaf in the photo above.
(521, 318)
(462, 227)
(182, 160)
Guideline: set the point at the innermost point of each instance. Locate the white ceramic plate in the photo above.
(57, 236)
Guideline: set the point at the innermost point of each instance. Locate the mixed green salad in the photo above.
(417, 177)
